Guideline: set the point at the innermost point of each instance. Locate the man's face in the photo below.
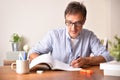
(74, 24)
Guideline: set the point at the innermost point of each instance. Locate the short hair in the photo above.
(75, 7)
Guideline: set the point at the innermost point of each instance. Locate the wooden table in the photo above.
(7, 74)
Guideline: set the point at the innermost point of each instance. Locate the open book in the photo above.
(46, 62)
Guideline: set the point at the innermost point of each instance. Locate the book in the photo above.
(111, 68)
(46, 62)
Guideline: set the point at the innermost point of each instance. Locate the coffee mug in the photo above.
(22, 66)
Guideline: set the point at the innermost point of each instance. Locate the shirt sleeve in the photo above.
(98, 49)
(43, 46)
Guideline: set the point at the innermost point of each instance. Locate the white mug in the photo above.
(22, 66)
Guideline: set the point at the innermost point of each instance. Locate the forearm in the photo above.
(96, 60)
(32, 56)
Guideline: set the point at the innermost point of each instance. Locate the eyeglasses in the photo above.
(78, 23)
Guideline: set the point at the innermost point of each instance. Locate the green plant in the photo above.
(15, 38)
(115, 48)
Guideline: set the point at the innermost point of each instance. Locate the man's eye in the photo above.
(69, 22)
(79, 22)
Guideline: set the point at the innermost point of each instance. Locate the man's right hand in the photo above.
(32, 56)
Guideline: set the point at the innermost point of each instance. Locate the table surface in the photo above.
(6, 73)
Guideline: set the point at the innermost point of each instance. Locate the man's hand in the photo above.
(32, 56)
(82, 61)
(79, 62)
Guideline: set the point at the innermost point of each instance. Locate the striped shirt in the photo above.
(59, 44)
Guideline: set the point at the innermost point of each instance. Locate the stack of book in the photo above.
(111, 68)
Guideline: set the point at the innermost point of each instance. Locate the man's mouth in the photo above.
(73, 32)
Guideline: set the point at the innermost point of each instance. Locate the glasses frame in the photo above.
(76, 24)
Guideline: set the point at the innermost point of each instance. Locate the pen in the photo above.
(77, 57)
(20, 57)
(25, 56)
(74, 60)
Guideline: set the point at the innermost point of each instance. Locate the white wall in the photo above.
(98, 19)
(115, 17)
(33, 18)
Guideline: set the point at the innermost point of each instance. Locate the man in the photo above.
(72, 44)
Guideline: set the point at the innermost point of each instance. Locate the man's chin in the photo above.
(74, 36)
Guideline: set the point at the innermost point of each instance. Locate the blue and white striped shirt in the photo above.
(58, 42)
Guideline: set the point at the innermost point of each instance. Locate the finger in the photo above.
(76, 65)
(73, 62)
(79, 63)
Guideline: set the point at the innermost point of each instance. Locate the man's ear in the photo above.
(83, 21)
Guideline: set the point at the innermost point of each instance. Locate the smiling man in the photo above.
(72, 44)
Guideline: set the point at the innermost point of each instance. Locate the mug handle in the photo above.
(13, 66)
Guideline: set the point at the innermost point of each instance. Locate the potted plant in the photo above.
(15, 39)
(115, 48)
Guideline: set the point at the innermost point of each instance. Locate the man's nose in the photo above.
(73, 27)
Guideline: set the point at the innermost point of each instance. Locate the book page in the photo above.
(42, 59)
(46, 60)
(58, 65)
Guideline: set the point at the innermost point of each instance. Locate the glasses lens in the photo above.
(69, 23)
(79, 23)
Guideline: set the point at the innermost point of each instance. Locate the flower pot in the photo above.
(15, 46)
